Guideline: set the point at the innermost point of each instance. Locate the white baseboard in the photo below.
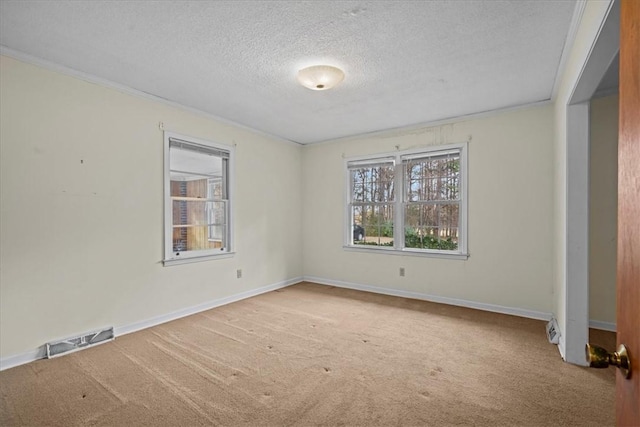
(561, 348)
(144, 324)
(22, 358)
(531, 314)
(605, 326)
(39, 353)
(595, 324)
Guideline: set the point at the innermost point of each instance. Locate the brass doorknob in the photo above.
(598, 357)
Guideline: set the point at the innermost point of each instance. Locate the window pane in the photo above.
(198, 212)
(372, 184)
(449, 215)
(373, 225)
(434, 178)
(196, 238)
(199, 224)
(431, 226)
(421, 215)
(187, 163)
(358, 194)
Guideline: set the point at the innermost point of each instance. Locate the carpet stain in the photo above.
(435, 371)
(425, 395)
(89, 371)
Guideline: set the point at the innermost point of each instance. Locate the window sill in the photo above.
(407, 252)
(192, 259)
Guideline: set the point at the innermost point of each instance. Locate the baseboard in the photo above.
(514, 311)
(595, 324)
(39, 353)
(22, 358)
(144, 324)
(561, 348)
(604, 326)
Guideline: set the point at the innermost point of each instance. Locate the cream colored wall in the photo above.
(81, 210)
(72, 232)
(591, 20)
(510, 214)
(603, 208)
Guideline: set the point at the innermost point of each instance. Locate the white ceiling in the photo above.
(406, 62)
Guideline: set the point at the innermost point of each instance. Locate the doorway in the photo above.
(600, 60)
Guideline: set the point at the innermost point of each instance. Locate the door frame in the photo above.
(602, 54)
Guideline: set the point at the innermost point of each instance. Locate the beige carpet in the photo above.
(317, 355)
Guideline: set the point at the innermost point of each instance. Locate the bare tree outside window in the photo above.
(411, 201)
(432, 201)
(372, 203)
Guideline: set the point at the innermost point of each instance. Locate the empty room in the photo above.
(357, 213)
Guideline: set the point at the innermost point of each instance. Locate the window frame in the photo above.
(170, 258)
(400, 199)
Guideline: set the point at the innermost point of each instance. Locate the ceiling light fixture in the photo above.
(320, 77)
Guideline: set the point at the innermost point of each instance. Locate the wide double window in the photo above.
(412, 201)
(197, 199)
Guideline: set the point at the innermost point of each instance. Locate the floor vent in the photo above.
(70, 345)
(553, 334)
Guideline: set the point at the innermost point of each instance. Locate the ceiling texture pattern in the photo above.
(406, 62)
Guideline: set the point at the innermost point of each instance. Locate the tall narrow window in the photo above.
(197, 199)
(432, 200)
(371, 203)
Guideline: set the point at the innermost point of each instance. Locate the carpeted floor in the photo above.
(317, 355)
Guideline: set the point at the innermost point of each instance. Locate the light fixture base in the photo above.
(320, 77)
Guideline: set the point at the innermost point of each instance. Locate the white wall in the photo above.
(587, 32)
(81, 210)
(603, 209)
(510, 214)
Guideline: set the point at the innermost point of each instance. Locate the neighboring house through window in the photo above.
(197, 199)
(412, 201)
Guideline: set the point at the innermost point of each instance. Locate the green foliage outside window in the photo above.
(414, 241)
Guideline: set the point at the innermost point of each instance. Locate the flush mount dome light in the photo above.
(320, 77)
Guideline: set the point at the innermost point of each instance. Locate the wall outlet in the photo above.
(401, 271)
(239, 273)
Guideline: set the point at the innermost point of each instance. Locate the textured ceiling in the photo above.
(406, 62)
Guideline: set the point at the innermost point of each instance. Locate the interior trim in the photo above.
(568, 45)
(514, 311)
(561, 348)
(39, 353)
(52, 66)
(144, 324)
(603, 326)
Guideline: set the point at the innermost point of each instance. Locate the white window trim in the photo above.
(398, 234)
(205, 255)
